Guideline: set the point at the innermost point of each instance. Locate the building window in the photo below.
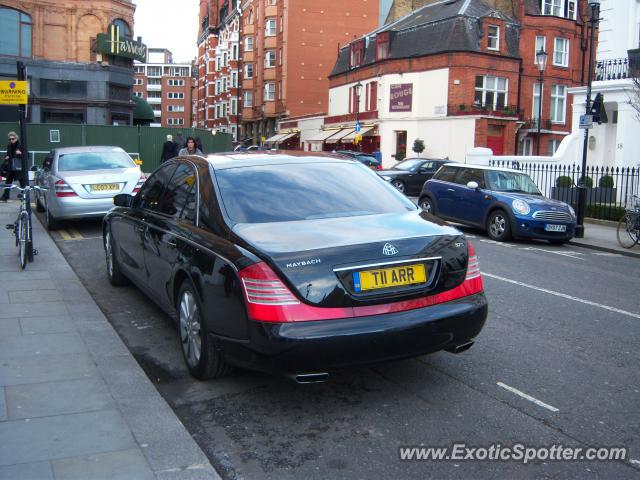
(536, 100)
(176, 83)
(552, 146)
(234, 51)
(561, 52)
(382, 46)
(137, 94)
(270, 59)
(248, 44)
(16, 33)
(137, 81)
(123, 28)
(372, 93)
(527, 147)
(154, 81)
(248, 100)
(154, 95)
(269, 92)
(572, 9)
(491, 92)
(234, 79)
(250, 17)
(493, 37)
(234, 106)
(280, 90)
(175, 121)
(270, 27)
(138, 70)
(225, 59)
(357, 54)
(154, 71)
(175, 96)
(248, 70)
(558, 102)
(175, 108)
(63, 88)
(552, 7)
(541, 43)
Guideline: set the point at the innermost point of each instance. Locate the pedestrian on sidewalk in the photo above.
(180, 141)
(191, 148)
(169, 149)
(12, 166)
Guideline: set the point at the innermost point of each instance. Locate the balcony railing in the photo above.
(478, 109)
(618, 68)
(532, 124)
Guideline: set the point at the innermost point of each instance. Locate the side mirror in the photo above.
(473, 185)
(123, 200)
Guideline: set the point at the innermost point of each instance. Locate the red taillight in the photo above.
(64, 190)
(379, 167)
(140, 183)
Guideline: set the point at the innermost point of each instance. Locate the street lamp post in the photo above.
(358, 91)
(541, 61)
(582, 187)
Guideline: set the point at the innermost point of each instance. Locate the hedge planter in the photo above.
(594, 195)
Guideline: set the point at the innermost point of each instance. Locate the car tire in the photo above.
(39, 205)
(399, 184)
(426, 204)
(499, 226)
(202, 358)
(114, 273)
(51, 221)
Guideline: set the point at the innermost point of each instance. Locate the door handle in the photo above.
(450, 190)
(172, 243)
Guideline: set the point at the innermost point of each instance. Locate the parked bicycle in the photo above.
(22, 226)
(629, 225)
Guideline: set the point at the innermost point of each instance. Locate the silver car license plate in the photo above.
(555, 228)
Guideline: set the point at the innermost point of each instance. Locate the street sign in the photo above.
(13, 92)
(586, 121)
(358, 127)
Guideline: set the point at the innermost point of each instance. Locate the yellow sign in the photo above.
(13, 92)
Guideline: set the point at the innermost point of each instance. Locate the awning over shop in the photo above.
(287, 136)
(340, 135)
(352, 136)
(323, 135)
(275, 138)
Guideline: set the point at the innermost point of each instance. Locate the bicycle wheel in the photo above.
(627, 232)
(23, 230)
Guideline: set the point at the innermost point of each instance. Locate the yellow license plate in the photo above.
(105, 187)
(389, 277)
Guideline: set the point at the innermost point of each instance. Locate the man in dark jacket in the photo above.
(12, 166)
(180, 141)
(169, 149)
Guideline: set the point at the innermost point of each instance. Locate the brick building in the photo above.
(79, 57)
(269, 59)
(166, 86)
(459, 74)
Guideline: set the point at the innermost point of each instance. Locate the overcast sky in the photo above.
(171, 24)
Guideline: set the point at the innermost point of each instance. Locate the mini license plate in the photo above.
(105, 187)
(389, 277)
(555, 228)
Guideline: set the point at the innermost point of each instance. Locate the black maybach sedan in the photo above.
(292, 263)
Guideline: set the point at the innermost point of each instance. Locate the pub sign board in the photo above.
(401, 97)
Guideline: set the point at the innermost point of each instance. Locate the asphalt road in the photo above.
(557, 363)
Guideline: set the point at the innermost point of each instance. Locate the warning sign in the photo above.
(13, 92)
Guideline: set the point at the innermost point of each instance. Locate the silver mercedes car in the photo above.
(82, 181)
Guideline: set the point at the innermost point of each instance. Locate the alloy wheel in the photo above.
(498, 226)
(108, 250)
(399, 185)
(190, 329)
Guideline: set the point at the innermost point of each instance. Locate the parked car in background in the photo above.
(409, 175)
(365, 158)
(504, 202)
(82, 181)
(293, 263)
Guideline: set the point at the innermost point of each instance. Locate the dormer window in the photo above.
(493, 37)
(357, 54)
(382, 46)
(560, 8)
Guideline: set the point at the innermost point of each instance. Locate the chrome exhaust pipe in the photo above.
(316, 377)
(460, 348)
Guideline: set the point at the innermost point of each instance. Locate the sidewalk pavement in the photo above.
(601, 235)
(74, 404)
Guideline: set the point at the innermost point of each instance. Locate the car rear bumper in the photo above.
(319, 346)
(76, 207)
(527, 228)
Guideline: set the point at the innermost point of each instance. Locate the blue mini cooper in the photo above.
(505, 202)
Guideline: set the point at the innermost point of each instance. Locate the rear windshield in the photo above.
(94, 161)
(290, 192)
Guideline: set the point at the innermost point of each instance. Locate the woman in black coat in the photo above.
(12, 168)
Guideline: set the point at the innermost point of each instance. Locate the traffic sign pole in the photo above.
(22, 108)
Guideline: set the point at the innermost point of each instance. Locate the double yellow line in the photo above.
(70, 234)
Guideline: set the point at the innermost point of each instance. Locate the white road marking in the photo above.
(563, 295)
(604, 254)
(636, 462)
(500, 244)
(527, 397)
(569, 253)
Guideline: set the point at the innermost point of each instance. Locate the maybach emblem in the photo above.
(389, 249)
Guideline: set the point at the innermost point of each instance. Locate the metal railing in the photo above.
(615, 69)
(483, 109)
(607, 187)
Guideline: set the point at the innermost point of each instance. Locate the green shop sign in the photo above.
(113, 44)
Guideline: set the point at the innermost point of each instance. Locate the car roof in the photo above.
(482, 167)
(99, 148)
(221, 161)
